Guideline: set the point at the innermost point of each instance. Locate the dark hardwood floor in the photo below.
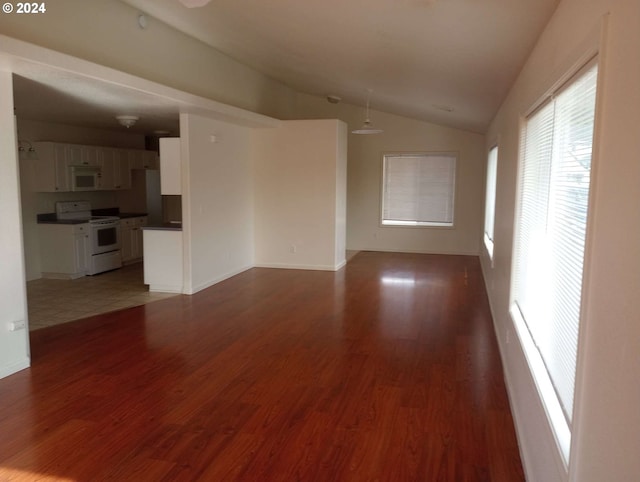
(387, 370)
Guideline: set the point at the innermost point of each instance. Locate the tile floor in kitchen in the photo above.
(52, 302)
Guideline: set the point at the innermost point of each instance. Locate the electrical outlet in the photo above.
(293, 249)
(16, 325)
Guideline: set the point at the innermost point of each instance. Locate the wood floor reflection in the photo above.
(385, 370)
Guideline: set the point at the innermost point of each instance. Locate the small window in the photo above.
(418, 189)
(490, 199)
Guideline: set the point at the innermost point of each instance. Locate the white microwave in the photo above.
(85, 178)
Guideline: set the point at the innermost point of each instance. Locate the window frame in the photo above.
(559, 425)
(418, 224)
(489, 241)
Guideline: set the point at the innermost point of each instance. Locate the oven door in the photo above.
(105, 237)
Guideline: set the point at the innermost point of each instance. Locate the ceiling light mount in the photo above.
(127, 120)
(367, 126)
(194, 3)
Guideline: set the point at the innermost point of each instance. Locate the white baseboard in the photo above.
(312, 267)
(165, 289)
(15, 367)
(445, 252)
(216, 280)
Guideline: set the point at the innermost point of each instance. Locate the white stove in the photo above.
(79, 211)
(103, 253)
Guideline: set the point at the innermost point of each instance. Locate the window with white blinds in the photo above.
(490, 199)
(418, 189)
(555, 166)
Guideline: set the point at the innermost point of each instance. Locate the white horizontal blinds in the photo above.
(490, 201)
(549, 254)
(531, 249)
(418, 189)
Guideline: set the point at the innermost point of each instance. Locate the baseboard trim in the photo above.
(208, 284)
(310, 267)
(409, 251)
(15, 367)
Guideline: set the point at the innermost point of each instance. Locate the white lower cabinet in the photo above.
(131, 245)
(163, 260)
(64, 250)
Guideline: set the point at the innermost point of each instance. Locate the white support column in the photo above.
(14, 334)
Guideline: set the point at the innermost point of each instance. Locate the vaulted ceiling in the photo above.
(445, 61)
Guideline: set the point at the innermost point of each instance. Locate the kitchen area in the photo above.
(85, 206)
(233, 196)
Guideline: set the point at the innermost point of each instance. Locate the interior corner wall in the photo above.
(106, 32)
(606, 420)
(217, 201)
(14, 345)
(364, 179)
(299, 168)
(340, 249)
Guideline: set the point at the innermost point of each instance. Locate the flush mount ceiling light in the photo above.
(367, 127)
(445, 108)
(194, 3)
(127, 120)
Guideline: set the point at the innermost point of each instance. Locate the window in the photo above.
(490, 199)
(418, 189)
(555, 164)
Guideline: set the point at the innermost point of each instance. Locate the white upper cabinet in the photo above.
(50, 172)
(90, 155)
(74, 154)
(140, 159)
(107, 163)
(114, 164)
(122, 171)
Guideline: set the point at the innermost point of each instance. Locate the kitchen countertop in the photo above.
(172, 226)
(130, 215)
(50, 218)
(62, 221)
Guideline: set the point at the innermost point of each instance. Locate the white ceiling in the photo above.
(63, 97)
(421, 57)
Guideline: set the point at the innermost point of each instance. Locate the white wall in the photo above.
(106, 32)
(217, 201)
(300, 173)
(340, 247)
(38, 203)
(606, 429)
(14, 345)
(364, 179)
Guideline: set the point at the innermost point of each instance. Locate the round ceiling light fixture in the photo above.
(127, 120)
(194, 3)
(442, 107)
